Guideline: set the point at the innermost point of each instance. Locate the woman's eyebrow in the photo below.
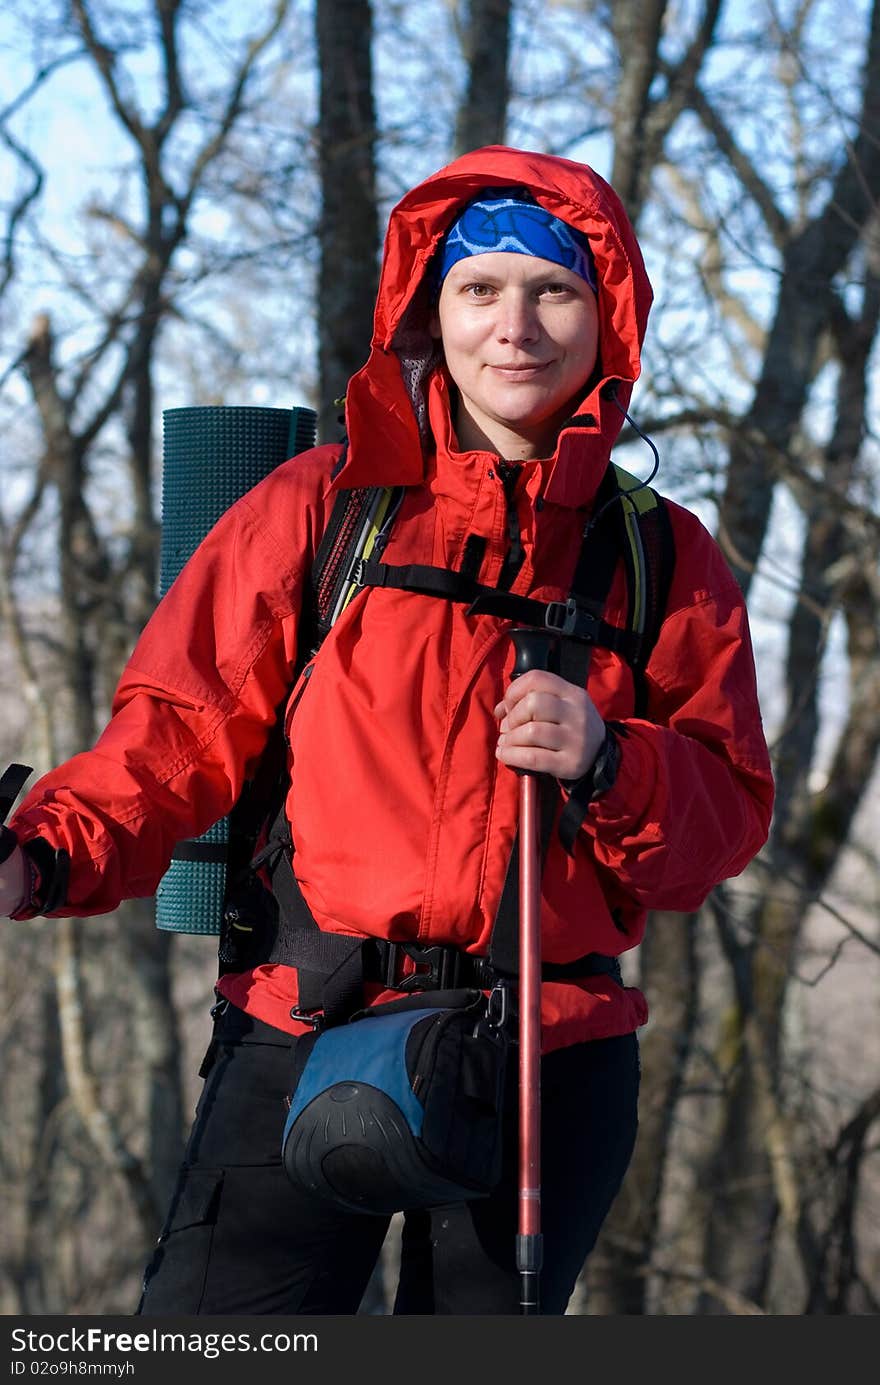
(554, 273)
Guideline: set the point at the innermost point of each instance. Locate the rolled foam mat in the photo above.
(211, 455)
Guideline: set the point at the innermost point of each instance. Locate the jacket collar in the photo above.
(570, 477)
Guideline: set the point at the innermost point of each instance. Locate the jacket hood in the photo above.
(386, 401)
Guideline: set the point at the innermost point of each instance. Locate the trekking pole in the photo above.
(534, 649)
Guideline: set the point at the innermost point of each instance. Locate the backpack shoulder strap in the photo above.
(357, 528)
(648, 549)
(356, 532)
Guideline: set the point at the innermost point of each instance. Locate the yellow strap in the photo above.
(639, 494)
(638, 499)
(377, 519)
(638, 564)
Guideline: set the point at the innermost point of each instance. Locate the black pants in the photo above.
(240, 1239)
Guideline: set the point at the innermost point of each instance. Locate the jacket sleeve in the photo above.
(193, 708)
(693, 797)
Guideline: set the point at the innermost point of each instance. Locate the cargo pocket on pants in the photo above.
(175, 1279)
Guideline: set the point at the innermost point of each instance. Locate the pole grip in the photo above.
(535, 648)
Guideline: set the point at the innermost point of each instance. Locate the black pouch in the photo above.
(402, 1106)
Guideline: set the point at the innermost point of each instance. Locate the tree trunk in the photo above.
(804, 308)
(156, 1038)
(482, 115)
(751, 1172)
(615, 1278)
(349, 227)
(642, 120)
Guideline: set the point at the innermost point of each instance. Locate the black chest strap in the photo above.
(578, 619)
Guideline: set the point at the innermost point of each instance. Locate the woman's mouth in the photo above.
(520, 372)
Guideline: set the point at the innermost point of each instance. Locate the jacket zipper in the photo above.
(513, 559)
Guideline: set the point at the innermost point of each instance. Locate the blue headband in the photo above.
(505, 222)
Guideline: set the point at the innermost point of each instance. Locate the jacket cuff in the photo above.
(597, 780)
(49, 870)
(632, 795)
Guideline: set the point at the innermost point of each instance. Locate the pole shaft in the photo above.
(530, 1011)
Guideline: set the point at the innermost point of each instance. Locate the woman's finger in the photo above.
(535, 706)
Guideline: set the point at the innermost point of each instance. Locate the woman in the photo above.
(509, 319)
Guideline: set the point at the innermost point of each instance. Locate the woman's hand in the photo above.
(548, 726)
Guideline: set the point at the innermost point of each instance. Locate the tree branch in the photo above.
(105, 60)
(175, 100)
(213, 146)
(746, 171)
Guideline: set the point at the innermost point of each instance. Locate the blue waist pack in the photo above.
(401, 1106)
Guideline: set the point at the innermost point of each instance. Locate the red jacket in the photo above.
(402, 817)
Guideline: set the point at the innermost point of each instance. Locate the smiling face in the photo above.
(520, 337)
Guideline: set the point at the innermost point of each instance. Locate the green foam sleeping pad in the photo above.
(211, 455)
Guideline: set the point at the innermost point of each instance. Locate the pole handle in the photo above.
(535, 648)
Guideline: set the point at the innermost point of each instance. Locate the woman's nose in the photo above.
(517, 320)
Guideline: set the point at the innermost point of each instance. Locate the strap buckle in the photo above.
(314, 1018)
(357, 571)
(498, 1005)
(570, 620)
(437, 967)
(561, 616)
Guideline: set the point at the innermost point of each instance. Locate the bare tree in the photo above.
(642, 120)
(810, 826)
(105, 589)
(753, 1185)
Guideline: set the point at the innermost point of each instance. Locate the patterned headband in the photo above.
(505, 222)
